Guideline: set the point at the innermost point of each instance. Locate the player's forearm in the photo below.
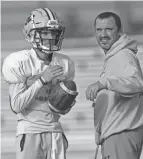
(20, 97)
(128, 86)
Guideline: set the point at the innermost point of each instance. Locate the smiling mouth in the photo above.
(104, 41)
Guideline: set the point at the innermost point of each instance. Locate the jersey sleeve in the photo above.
(128, 84)
(12, 71)
(20, 94)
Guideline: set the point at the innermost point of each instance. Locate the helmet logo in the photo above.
(29, 19)
(52, 23)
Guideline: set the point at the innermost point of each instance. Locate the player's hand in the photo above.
(52, 72)
(92, 91)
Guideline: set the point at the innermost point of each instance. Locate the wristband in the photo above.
(42, 81)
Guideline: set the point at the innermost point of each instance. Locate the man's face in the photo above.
(106, 33)
(46, 35)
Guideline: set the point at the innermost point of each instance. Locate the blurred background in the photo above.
(80, 44)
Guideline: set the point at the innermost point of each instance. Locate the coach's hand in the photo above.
(92, 90)
(52, 72)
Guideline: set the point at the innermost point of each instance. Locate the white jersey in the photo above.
(28, 97)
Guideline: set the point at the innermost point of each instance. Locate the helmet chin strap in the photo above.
(45, 50)
(42, 48)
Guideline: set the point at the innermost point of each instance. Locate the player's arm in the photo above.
(128, 84)
(21, 96)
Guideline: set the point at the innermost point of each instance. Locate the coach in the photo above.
(119, 129)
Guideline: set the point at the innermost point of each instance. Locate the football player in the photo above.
(31, 74)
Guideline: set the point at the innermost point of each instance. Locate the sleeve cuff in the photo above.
(103, 82)
(38, 83)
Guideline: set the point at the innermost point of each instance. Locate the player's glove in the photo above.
(62, 96)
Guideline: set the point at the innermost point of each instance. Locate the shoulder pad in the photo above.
(12, 70)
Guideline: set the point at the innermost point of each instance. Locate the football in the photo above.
(62, 96)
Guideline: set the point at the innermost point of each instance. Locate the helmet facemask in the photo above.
(47, 39)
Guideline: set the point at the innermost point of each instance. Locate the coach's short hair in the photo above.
(106, 15)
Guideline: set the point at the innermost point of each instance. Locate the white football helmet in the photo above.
(43, 21)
